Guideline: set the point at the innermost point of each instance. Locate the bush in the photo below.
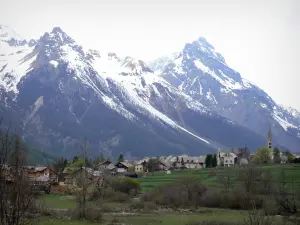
(126, 185)
(144, 206)
(94, 194)
(212, 199)
(91, 214)
(185, 192)
(120, 197)
(235, 199)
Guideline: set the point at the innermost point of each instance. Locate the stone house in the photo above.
(75, 174)
(41, 173)
(140, 166)
(187, 162)
(226, 159)
(123, 167)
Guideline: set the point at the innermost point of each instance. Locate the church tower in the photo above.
(270, 138)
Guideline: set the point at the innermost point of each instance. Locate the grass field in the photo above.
(58, 201)
(162, 218)
(209, 176)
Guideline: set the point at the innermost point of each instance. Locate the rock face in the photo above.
(202, 73)
(61, 93)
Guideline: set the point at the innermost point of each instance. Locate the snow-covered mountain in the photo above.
(61, 92)
(202, 73)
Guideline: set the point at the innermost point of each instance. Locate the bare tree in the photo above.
(257, 217)
(83, 176)
(226, 178)
(285, 197)
(17, 201)
(250, 178)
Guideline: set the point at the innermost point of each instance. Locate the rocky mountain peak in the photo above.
(11, 37)
(203, 42)
(135, 67)
(57, 36)
(202, 49)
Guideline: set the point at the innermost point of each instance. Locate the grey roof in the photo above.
(127, 164)
(111, 166)
(40, 168)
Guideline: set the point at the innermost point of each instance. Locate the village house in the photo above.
(226, 159)
(123, 167)
(186, 162)
(41, 173)
(73, 175)
(143, 164)
(104, 164)
(140, 166)
(107, 167)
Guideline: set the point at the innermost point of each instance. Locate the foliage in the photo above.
(289, 155)
(263, 155)
(75, 159)
(296, 160)
(209, 161)
(77, 163)
(17, 201)
(125, 185)
(182, 162)
(214, 161)
(184, 192)
(99, 159)
(59, 165)
(153, 165)
(83, 183)
(276, 155)
(91, 213)
(120, 158)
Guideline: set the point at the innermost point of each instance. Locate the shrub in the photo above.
(185, 192)
(94, 194)
(126, 185)
(91, 214)
(144, 206)
(235, 199)
(212, 199)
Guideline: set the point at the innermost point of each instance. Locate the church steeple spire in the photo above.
(270, 138)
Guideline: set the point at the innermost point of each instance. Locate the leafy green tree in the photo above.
(88, 162)
(75, 159)
(101, 157)
(289, 155)
(78, 163)
(120, 158)
(182, 162)
(209, 161)
(263, 155)
(214, 160)
(276, 155)
(152, 165)
(97, 160)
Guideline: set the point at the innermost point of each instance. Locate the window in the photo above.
(226, 161)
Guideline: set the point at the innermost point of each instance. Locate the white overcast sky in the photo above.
(258, 38)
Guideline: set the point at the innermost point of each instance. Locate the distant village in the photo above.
(66, 173)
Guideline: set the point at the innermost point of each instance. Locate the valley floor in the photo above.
(120, 213)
